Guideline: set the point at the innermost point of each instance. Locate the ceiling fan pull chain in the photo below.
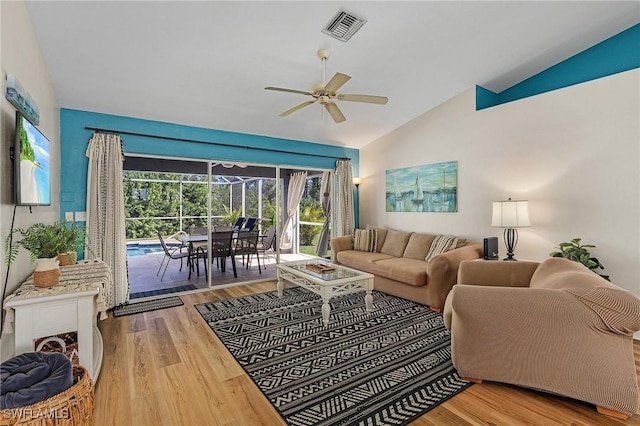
(324, 70)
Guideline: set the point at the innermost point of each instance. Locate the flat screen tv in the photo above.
(31, 165)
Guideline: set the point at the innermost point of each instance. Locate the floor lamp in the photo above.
(510, 215)
(357, 181)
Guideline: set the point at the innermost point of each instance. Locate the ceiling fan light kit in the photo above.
(325, 93)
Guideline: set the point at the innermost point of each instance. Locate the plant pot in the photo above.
(47, 273)
(68, 258)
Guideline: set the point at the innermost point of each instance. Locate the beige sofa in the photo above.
(554, 326)
(399, 266)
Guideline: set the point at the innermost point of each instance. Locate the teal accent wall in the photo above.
(74, 140)
(616, 54)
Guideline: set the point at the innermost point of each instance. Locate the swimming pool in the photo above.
(141, 249)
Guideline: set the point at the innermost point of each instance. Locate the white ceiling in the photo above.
(206, 64)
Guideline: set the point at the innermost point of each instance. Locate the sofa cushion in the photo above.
(361, 260)
(364, 240)
(405, 270)
(395, 243)
(381, 234)
(418, 246)
(441, 244)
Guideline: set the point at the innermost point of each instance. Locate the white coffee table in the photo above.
(341, 280)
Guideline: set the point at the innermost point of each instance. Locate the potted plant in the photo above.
(45, 243)
(72, 239)
(577, 252)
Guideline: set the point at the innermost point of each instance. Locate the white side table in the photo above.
(72, 305)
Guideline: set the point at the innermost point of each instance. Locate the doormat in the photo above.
(151, 305)
(162, 291)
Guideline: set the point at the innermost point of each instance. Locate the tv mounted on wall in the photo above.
(31, 163)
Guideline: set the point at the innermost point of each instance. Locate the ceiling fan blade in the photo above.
(336, 82)
(334, 112)
(380, 100)
(281, 89)
(296, 108)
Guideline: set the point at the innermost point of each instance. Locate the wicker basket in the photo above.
(68, 258)
(45, 279)
(71, 407)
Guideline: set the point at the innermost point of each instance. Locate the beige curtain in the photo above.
(327, 183)
(345, 198)
(297, 184)
(105, 212)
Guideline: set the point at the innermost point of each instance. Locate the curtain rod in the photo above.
(119, 132)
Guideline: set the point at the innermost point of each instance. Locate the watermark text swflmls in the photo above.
(33, 414)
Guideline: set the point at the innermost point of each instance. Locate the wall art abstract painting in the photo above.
(428, 188)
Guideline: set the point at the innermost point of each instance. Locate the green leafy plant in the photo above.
(577, 252)
(44, 241)
(311, 212)
(72, 237)
(231, 217)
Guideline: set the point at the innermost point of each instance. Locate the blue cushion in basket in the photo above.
(33, 377)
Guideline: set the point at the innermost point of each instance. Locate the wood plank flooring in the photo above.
(166, 367)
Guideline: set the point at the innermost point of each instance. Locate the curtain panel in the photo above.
(345, 198)
(327, 183)
(297, 183)
(106, 235)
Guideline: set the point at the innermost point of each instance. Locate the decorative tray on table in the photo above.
(320, 268)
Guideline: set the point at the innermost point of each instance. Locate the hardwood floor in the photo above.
(166, 367)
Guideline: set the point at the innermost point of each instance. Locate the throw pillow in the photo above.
(418, 246)
(381, 234)
(441, 244)
(365, 240)
(395, 243)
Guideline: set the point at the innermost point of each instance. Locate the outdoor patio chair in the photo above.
(247, 245)
(266, 243)
(169, 254)
(221, 248)
(250, 224)
(198, 230)
(238, 224)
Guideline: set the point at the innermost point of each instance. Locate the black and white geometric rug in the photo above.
(383, 368)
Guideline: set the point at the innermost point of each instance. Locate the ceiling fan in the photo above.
(325, 93)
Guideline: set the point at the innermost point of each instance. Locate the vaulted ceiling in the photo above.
(206, 64)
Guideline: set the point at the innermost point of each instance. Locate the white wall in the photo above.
(20, 55)
(573, 153)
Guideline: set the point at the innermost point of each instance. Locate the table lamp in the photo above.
(510, 215)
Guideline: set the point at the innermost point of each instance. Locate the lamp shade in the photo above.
(357, 181)
(510, 214)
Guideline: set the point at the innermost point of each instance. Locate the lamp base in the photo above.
(510, 241)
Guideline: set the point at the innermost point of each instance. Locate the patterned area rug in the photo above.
(383, 368)
(151, 305)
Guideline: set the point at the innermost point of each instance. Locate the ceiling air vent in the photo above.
(343, 25)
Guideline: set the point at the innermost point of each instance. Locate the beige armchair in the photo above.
(554, 326)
